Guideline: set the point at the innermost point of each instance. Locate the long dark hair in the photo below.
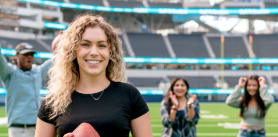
(246, 98)
(167, 99)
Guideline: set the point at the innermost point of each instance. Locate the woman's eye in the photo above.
(102, 46)
(84, 44)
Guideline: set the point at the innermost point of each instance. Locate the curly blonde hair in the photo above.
(64, 73)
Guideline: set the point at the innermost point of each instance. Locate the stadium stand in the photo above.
(265, 45)
(130, 4)
(148, 45)
(47, 41)
(241, 4)
(234, 47)
(275, 79)
(89, 2)
(143, 44)
(188, 45)
(231, 80)
(176, 42)
(199, 82)
(270, 3)
(58, 0)
(126, 53)
(12, 42)
(145, 82)
(165, 4)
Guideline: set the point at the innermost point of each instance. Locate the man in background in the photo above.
(23, 82)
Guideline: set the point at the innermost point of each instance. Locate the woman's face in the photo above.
(93, 52)
(180, 88)
(252, 87)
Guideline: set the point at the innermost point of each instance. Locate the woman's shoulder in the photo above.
(125, 88)
(124, 85)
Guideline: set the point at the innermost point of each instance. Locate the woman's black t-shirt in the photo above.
(111, 115)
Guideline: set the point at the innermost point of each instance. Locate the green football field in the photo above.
(217, 120)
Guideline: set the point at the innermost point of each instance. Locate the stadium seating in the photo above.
(153, 45)
(231, 80)
(47, 41)
(144, 82)
(126, 53)
(270, 3)
(130, 4)
(12, 42)
(165, 5)
(89, 2)
(148, 45)
(58, 0)
(199, 82)
(188, 45)
(275, 79)
(265, 45)
(234, 47)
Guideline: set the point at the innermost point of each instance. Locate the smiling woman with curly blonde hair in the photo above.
(86, 85)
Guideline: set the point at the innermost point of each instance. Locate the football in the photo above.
(85, 130)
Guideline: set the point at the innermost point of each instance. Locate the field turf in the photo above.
(217, 120)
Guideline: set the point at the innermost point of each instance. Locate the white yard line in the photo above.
(3, 121)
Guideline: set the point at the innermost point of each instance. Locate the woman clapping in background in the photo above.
(180, 111)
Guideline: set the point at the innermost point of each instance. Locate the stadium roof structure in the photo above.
(39, 16)
(160, 10)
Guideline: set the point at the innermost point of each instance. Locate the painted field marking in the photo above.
(220, 116)
(229, 125)
(3, 121)
(204, 112)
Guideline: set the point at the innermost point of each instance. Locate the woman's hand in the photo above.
(262, 81)
(174, 99)
(242, 81)
(69, 135)
(192, 99)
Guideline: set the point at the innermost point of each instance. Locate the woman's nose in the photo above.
(93, 49)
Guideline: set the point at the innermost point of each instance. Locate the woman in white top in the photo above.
(253, 104)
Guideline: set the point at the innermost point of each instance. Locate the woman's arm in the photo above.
(191, 112)
(173, 112)
(167, 119)
(44, 129)
(190, 107)
(233, 100)
(141, 126)
(266, 96)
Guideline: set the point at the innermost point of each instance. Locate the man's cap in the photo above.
(24, 48)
